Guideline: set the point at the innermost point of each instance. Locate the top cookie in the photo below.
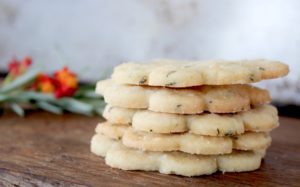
(171, 73)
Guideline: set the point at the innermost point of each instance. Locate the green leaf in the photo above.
(20, 81)
(17, 109)
(87, 94)
(49, 107)
(28, 96)
(75, 106)
(37, 96)
(99, 111)
(3, 97)
(87, 87)
(7, 79)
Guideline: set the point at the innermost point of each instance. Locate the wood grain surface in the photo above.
(49, 150)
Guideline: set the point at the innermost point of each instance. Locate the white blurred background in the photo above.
(92, 36)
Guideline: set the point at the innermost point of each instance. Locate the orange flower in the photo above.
(63, 84)
(47, 87)
(67, 83)
(45, 84)
(67, 78)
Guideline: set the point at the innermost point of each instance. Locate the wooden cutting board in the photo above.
(49, 150)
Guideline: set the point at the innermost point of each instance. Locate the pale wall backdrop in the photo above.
(91, 36)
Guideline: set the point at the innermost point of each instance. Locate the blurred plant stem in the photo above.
(13, 95)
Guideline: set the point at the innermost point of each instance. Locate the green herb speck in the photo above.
(143, 80)
(170, 84)
(171, 72)
(229, 133)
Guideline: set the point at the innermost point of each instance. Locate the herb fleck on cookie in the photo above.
(170, 84)
(143, 80)
(178, 107)
(261, 69)
(229, 133)
(251, 77)
(170, 73)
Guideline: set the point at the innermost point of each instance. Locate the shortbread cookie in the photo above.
(261, 152)
(100, 144)
(239, 162)
(112, 131)
(260, 119)
(195, 144)
(185, 142)
(118, 156)
(252, 141)
(215, 99)
(172, 73)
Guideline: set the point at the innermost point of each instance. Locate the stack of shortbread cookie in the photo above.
(187, 118)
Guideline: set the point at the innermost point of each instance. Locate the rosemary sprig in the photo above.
(20, 88)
